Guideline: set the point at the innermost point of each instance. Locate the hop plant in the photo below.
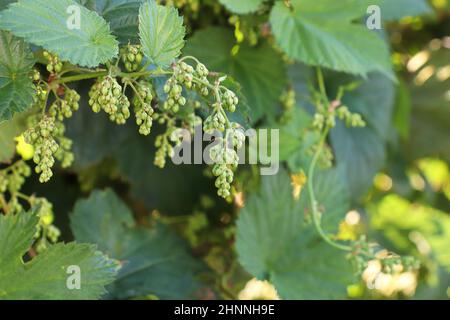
(192, 121)
(229, 100)
(202, 86)
(35, 75)
(13, 178)
(54, 65)
(185, 75)
(164, 150)
(288, 100)
(131, 56)
(224, 179)
(175, 99)
(364, 251)
(46, 231)
(45, 146)
(226, 160)
(17, 177)
(142, 107)
(351, 119)
(41, 93)
(107, 95)
(236, 135)
(328, 119)
(216, 121)
(64, 153)
(64, 108)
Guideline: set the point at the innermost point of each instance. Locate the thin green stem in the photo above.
(220, 108)
(136, 92)
(312, 196)
(311, 172)
(12, 167)
(189, 58)
(93, 75)
(322, 89)
(79, 77)
(23, 196)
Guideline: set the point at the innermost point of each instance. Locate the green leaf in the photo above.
(252, 67)
(123, 17)
(8, 131)
(16, 237)
(242, 7)
(276, 240)
(45, 23)
(45, 277)
(155, 260)
(395, 10)
(321, 33)
(162, 32)
(361, 152)
(16, 88)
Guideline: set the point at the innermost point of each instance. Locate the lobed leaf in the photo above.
(161, 32)
(46, 23)
(276, 242)
(155, 260)
(123, 17)
(321, 33)
(16, 87)
(45, 276)
(361, 152)
(395, 10)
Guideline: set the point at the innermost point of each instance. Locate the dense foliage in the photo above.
(96, 97)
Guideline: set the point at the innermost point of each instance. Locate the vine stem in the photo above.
(311, 171)
(312, 196)
(93, 75)
(80, 77)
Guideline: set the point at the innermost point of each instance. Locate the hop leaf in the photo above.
(394, 10)
(157, 261)
(321, 33)
(45, 23)
(276, 242)
(162, 33)
(45, 277)
(123, 17)
(16, 88)
(361, 152)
